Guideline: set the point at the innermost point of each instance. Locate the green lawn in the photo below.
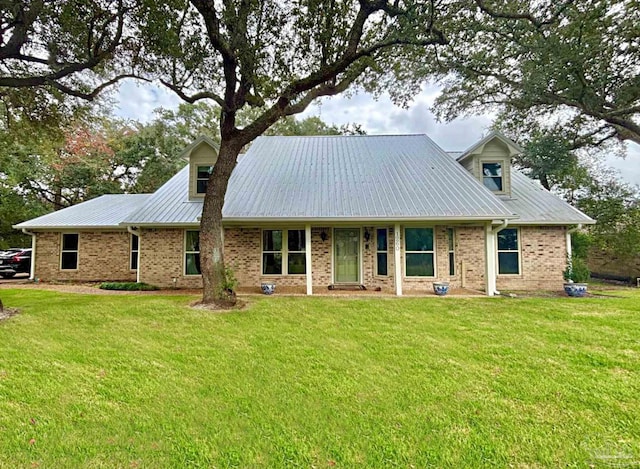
(145, 381)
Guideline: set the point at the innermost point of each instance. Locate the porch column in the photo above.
(490, 260)
(139, 251)
(397, 244)
(569, 249)
(32, 267)
(307, 255)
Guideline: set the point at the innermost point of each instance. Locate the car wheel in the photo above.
(8, 275)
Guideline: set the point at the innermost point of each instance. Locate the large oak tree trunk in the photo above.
(211, 231)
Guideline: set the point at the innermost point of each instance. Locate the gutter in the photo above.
(32, 269)
(136, 231)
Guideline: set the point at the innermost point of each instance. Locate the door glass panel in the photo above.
(347, 255)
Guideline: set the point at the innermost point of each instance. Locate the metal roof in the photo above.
(107, 211)
(336, 178)
(536, 205)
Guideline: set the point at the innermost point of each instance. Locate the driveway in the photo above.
(18, 279)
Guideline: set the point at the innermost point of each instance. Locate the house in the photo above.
(390, 212)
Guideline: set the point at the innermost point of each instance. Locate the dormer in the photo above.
(202, 155)
(489, 161)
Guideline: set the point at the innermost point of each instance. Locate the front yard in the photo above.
(145, 381)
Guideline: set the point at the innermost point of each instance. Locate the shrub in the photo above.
(127, 286)
(577, 270)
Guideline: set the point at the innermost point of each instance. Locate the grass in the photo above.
(145, 381)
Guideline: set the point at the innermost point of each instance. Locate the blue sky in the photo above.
(375, 116)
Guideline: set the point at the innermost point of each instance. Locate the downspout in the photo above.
(136, 232)
(32, 269)
(504, 224)
(569, 248)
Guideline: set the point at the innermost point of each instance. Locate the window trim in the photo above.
(451, 247)
(377, 272)
(131, 253)
(519, 251)
(284, 252)
(433, 251)
(502, 177)
(185, 252)
(77, 251)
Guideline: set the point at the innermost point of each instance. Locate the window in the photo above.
(381, 251)
(133, 259)
(492, 176)
(202, 178)
(192, 253)
(69, 253)
(419, 253)
(283, 252)
(295, 252)
(508, 252)
(452, 254)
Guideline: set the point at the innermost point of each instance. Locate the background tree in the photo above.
(571, 62)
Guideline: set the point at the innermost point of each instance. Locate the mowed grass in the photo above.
(146, 381)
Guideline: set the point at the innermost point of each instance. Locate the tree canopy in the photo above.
(574, 63)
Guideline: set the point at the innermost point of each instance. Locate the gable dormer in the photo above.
(489, 161)
(202, 155)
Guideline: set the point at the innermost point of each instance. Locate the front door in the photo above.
(346, 255)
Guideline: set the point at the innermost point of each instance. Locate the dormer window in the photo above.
(492, 176)
(202, 178)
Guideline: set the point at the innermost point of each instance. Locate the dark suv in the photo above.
(15, 261)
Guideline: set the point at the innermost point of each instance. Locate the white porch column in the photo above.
(397, 245)
(32, 269)
(139, 250)
(490, 260)
(569, 249)
(307, 254)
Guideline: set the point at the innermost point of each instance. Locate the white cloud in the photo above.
(137, 101)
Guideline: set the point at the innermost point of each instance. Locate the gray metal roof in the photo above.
(336, 178)
(107, 211)
(536, 205)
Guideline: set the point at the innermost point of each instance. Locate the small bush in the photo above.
(577, 271)
(127, 286)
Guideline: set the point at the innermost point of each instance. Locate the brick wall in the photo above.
(105, 256)
(543, 260)
(102, 255)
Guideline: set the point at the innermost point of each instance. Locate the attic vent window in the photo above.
(492, 176)
(202, 178)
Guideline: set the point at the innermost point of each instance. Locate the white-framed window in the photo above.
(508, 252)
(202, 178)
(69, 251)
(382, 252)
(419, 252)
(192, 252)
(451, 233)
(133, 257)
(283, 252)
(492, 175)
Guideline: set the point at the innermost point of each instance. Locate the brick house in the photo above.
(391, 212)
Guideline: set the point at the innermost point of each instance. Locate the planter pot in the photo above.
(268, 288)
(441, 288)
(577, 290)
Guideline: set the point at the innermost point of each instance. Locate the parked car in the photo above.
(15, 261)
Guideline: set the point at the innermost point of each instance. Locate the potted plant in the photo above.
(576, 275)
(441, 288)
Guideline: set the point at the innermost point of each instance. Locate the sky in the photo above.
(380, 116)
